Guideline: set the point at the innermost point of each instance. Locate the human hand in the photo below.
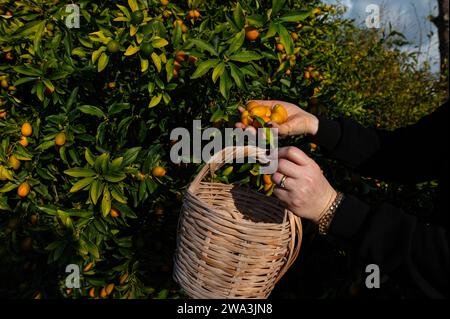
(307, 193)
(298, 122)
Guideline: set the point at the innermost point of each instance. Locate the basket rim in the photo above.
(243, 221)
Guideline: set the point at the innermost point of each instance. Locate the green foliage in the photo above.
(119, 84)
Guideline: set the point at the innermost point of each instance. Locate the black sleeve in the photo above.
(386, 235)
(409, 154)
(396, 242)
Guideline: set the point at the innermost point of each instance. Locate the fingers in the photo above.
(241, 109)
(283, 129)
(282, 194)
(288, 168)
(294, 155)
(277, 177)
(249, 128)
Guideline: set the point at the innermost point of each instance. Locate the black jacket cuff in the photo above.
(328, 134)
(349, 217)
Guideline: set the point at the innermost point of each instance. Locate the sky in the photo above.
(407, 16)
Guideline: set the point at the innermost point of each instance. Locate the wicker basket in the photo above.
(233, 242)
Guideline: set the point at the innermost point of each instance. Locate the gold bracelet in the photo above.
(325, 220)
(327, 206)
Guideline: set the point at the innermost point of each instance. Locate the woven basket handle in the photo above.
(227, 155)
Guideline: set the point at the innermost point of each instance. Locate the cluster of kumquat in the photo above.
(259, 115)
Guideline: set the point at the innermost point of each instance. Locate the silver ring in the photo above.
(283, 181)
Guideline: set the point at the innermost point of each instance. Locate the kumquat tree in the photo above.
(91, 90)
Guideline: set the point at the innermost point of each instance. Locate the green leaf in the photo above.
(217, 116)
(96, 54)
(91, 247)
(118, 196)
(169, 69)
(48, 209)
(151, 185)
(133, 5)
(130, 155)
(295, 16)
(249, 70)
(118, 107)
(45, 174)
(115, 177)
(106, 202)
(90, 158)
(102, 62)
(225, 84)
(151, 87)
(62, 154)
(91, 110)
(79, 213)
(95, 191)
(57, 253)
(246, 56)
(101, 163)
(82, 184)
(159, 43)
(142, 191)
(256, 20)
(79, 51)
(28, 28)
(166, 98)
(40, 88)
(155, 100)
(21, 153)
(163, 294)
(64, 218)
(231, 22)
(4, 203)
(238, 16)
(8, 187)
(124, 10)
(218, 71)
(176, 36)
(204, 67)
(116, 163)
(260, 120)
(156, 61)
(45, 145)
(80, 172)
(237, 42)
(100, 136)
(204, 46)
(276, 6)
(27, 70)
(37, 38)
(86, 43)
(285, 39)
(24, 80)
(245, 167)
(144, 65)
(237, 75)
(54, 245)
(72, 98)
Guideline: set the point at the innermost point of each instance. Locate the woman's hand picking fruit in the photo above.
(288, 118)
